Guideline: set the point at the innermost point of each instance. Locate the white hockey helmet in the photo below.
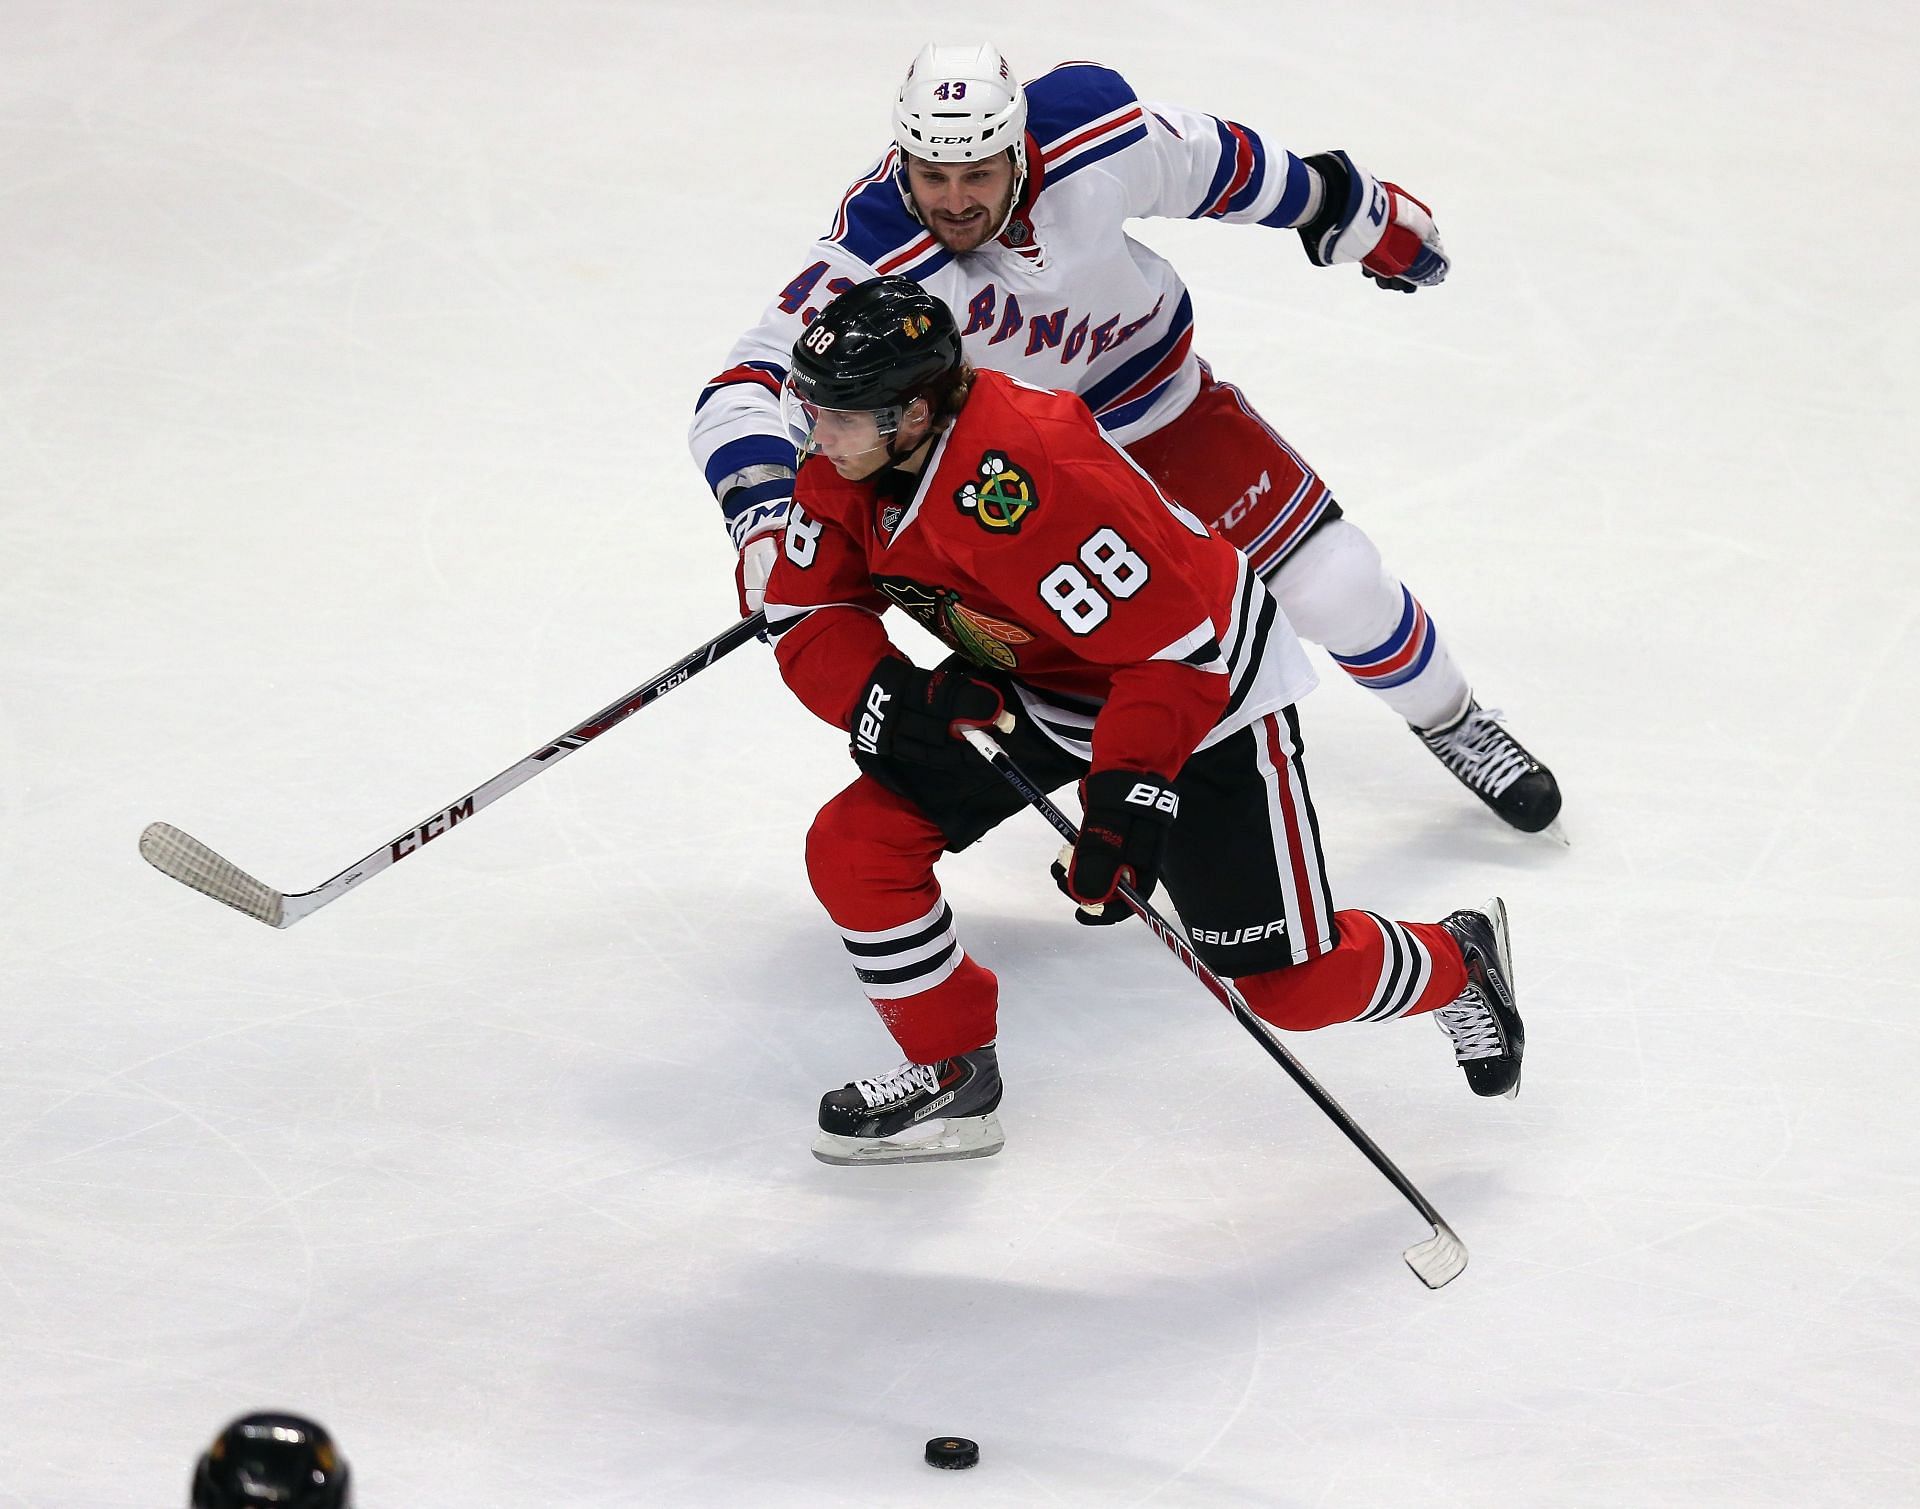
(961, 103)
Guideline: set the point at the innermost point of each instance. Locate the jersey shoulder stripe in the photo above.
(919, 259)
(879, 173)
(769, 375)
(1072, 96)
(874, 224)
(1079, 113)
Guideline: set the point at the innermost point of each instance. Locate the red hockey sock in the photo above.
(959, 1014)
(870, 855)
(1379, 970)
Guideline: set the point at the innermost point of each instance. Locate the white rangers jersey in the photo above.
(1063, 299)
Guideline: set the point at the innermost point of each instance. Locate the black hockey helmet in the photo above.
(281, 1461)
(880, 345)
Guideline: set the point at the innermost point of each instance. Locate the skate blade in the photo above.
(1496, 908)
(963, 1137)
(1554, 832)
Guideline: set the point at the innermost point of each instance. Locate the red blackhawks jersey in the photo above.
(1033, 546)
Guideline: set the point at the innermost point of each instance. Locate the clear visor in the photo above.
(838, 434)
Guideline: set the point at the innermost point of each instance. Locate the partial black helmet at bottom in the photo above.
(272, 1461)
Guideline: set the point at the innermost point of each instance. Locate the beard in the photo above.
(974, 230)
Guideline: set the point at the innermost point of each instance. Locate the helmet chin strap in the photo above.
(894, 454)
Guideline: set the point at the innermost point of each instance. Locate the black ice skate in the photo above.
(1495, 767)
(920, 1113)
(1488, 1037)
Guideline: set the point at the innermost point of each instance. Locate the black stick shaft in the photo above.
(192, 863)
(1221, 991)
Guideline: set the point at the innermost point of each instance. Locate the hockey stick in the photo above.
(192, 863)
(1441, 1257)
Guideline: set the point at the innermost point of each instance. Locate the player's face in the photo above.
(851, 440)
(859, 443)
(962, 203)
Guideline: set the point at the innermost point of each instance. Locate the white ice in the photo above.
(346, 351)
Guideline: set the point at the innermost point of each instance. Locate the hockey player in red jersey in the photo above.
(1134, 650)
(1010, 203)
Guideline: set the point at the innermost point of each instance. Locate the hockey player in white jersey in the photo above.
(1010, 204)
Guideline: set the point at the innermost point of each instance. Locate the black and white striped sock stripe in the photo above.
(1404, 972)
(910, 958)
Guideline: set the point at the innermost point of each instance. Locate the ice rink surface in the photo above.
(346, 353)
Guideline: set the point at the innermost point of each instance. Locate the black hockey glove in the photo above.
(1122, 837)
(909, 714)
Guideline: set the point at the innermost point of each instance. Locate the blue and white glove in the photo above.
(755, 565)
(1377, 224)
(756, 515)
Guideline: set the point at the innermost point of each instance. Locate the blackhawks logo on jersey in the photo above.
(1000, 498)
(987, 642)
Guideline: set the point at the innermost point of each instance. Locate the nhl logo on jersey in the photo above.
(1000, 498)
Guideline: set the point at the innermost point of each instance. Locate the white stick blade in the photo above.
(192, 863)
(1440, 1259)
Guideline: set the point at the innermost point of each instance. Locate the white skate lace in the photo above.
(883, 1089)
(1480, 751)
(1469, 1022)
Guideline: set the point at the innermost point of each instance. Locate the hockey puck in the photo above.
(953, 1452)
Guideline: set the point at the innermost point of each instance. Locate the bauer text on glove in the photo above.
(1122, 837)
(906, 713)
